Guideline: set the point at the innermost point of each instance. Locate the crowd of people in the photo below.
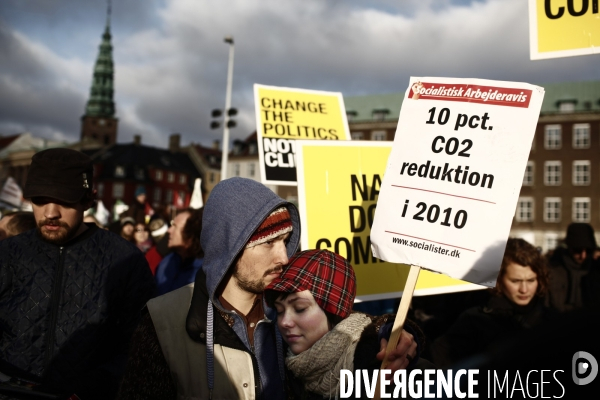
(219, 302)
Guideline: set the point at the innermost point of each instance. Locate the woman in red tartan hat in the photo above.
(313, 297)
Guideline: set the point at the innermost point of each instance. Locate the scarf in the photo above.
(319, 367)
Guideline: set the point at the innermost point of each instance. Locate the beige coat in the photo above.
(234, 376)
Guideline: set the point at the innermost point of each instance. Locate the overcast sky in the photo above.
(171, 61)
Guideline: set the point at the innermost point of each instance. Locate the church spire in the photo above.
(99, 124)
(100, 103)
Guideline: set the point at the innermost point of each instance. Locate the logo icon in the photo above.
(583, 364)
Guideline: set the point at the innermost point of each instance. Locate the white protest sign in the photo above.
(454, 175)
(11, 193)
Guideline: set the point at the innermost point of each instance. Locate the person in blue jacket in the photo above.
(179, 267)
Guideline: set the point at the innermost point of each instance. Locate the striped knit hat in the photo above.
(328, 276)
(276, 224)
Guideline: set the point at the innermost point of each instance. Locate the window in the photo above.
(170, 177)
(169, 196)
(581, 172)
(100, 189)
(525, 209)
(252, 148)
(351, 115)
(357, 135)
(212, 177)
(581, 136)
(251, 170)
(139, 173)
(550, 241)
(379, 115)
(182, 179)
(552, 173)
(566, 106)
(119, 171)
(378, 135)
(157, 195)
(528, 177)
(180, 198)
(552, 209)
(552, 136)
(158, 174)
(118, 190)
(236, 169)
(581, 209)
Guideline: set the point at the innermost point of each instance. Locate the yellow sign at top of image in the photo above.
(563, 28)
(301, 114)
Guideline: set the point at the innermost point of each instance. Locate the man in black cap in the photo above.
(70, 293)
(569, 267)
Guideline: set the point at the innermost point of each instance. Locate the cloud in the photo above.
(171, 62)
(40, 91)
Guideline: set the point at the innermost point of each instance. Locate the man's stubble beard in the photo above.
(252, 286)
(61, 236)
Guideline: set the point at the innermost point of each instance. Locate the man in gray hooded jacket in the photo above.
(217, 338)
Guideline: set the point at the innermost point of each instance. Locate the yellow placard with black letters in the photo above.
(285, 115)
(563, 28)
(338, 187)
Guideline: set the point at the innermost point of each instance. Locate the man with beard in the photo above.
(216, 338)
(70, 293)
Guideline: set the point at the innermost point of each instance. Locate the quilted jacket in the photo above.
(67, 312)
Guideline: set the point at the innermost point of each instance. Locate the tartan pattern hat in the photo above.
(276, 224)
(328, 276)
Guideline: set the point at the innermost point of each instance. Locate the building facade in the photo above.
(243, 160)
(167, 175)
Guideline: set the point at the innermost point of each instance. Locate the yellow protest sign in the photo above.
(563, 28)
(284, 115)
(338, 188)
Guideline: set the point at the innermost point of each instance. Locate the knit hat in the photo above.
(328, 276)
(127, 220)
(580, 235)
(140, 190)
(276, 224)
(158, 227)
(62, 174)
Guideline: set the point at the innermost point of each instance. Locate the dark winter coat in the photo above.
(67, 312)
(478, 329)
(567, 290)
(174, 272)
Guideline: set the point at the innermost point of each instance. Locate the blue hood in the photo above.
(235, 209)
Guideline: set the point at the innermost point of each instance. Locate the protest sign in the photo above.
(454, 175)
(338, 187)
(284, 115)
(563, 28)
(11, 193)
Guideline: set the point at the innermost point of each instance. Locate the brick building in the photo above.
(167, 175)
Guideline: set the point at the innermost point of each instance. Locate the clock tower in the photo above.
(99, 123)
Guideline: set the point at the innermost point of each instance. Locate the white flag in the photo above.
(11, 193)
(196, 201)
(102, 213)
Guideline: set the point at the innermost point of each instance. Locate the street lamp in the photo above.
(226, 126)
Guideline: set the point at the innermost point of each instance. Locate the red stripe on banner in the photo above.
(499, 96)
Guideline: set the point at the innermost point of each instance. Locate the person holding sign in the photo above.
(313, 297)
(516, 305)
